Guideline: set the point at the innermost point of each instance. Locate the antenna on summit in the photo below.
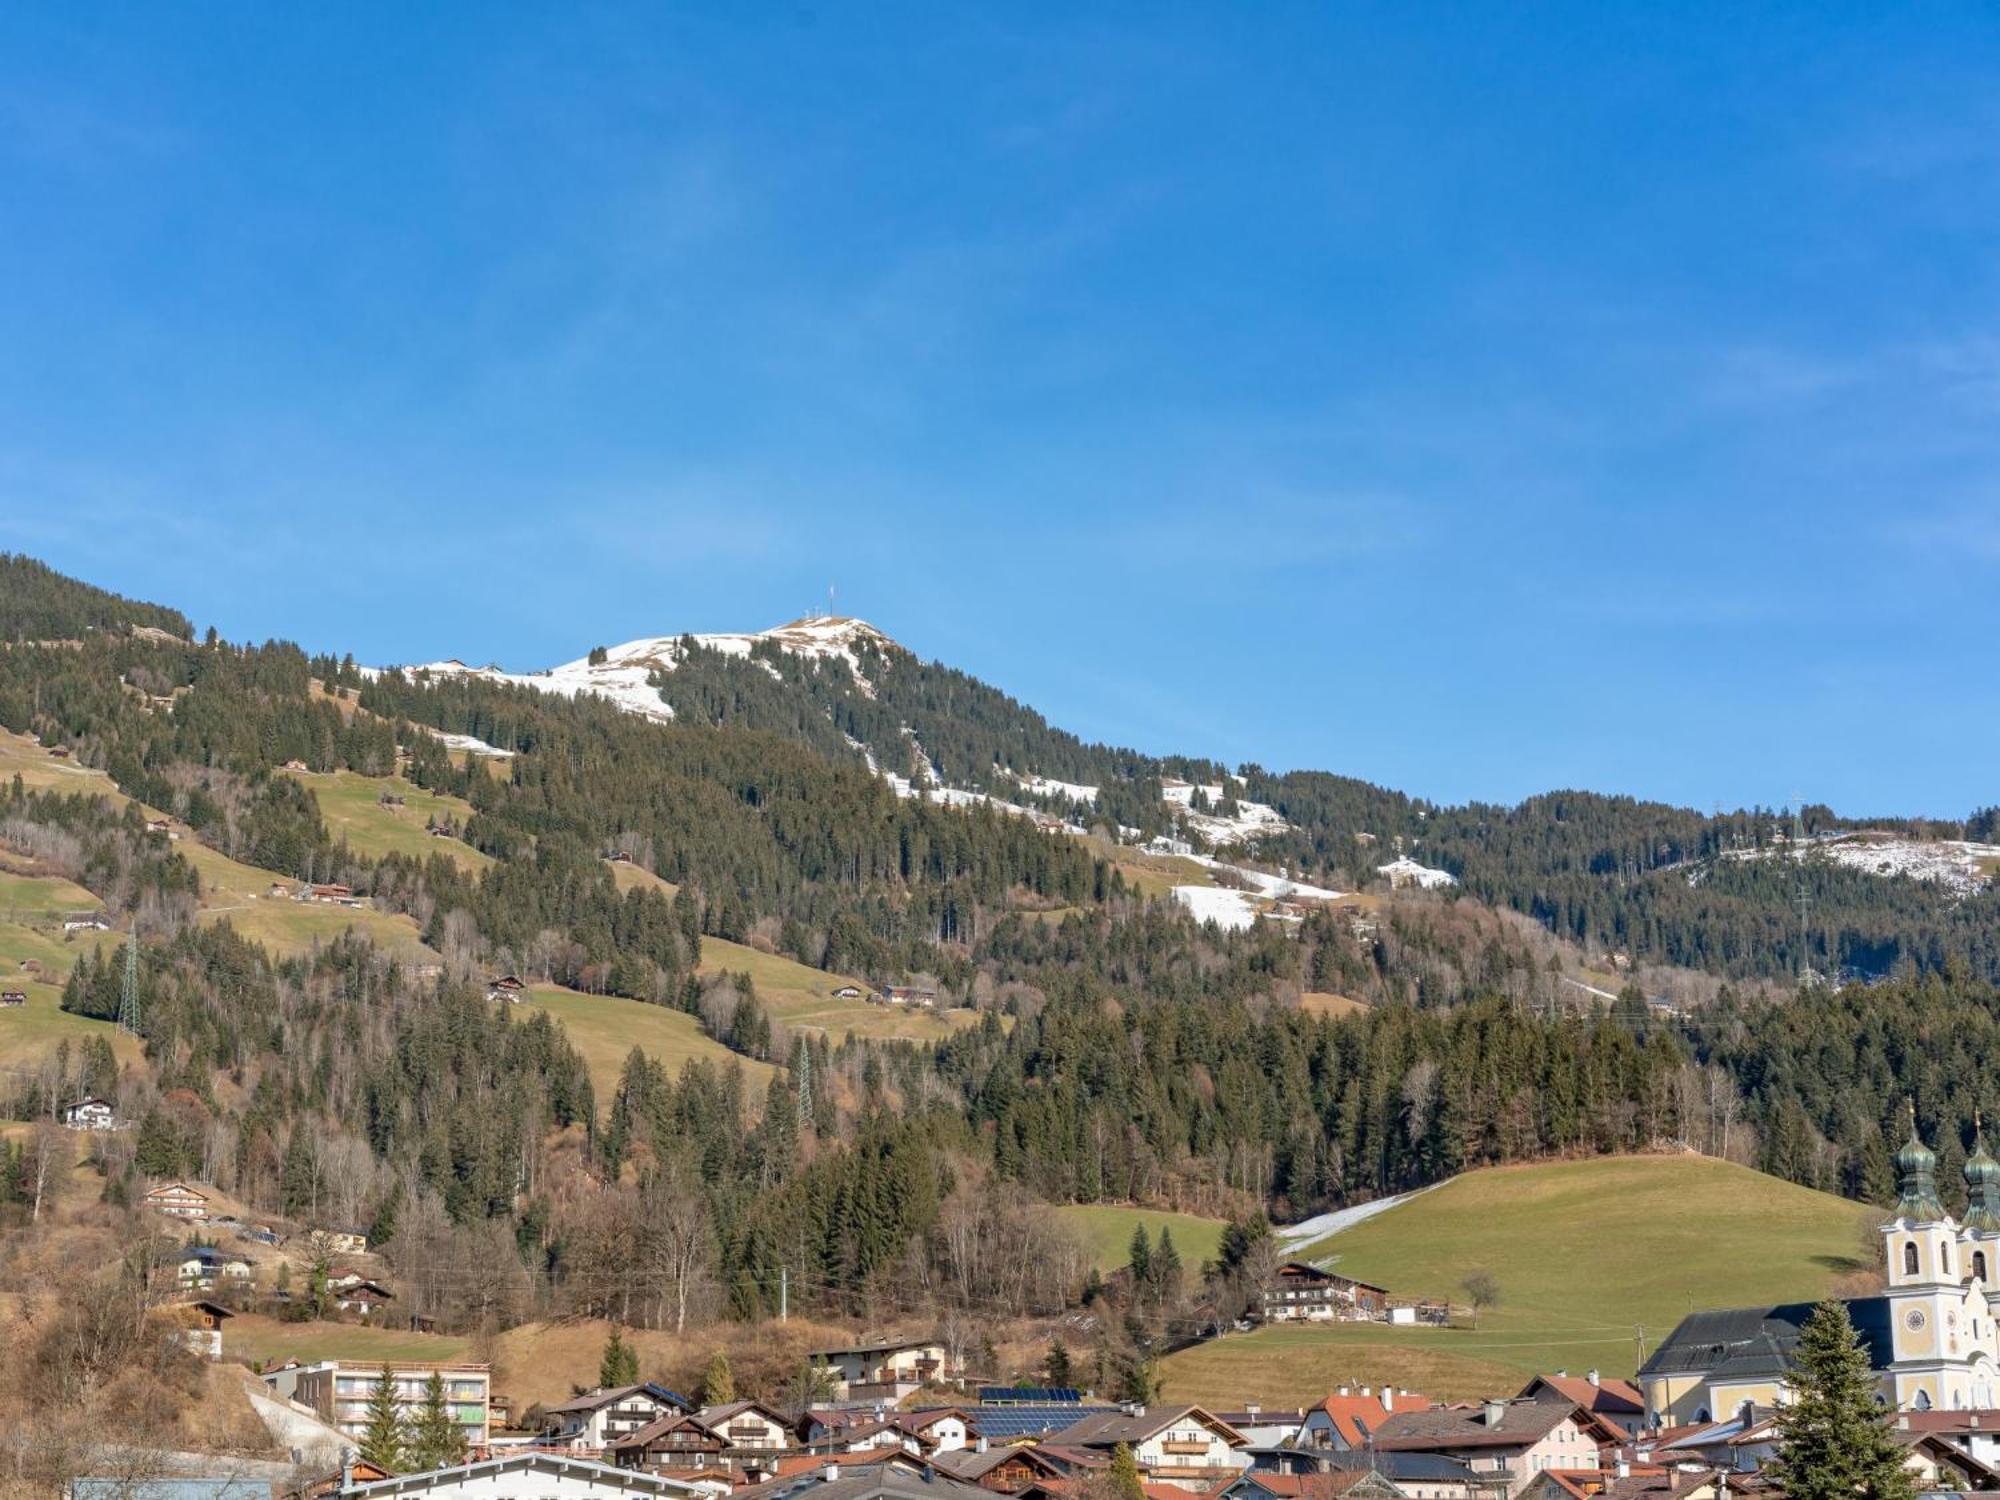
(830, 610)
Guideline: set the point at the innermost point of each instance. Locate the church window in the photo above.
(1944, 1257)
(1979, 1264)
(1910, 1258)
(1923, 1401)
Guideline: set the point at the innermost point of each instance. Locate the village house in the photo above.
(675, 1444)
(339, 1391)
(1509, 1442)
(597, 1419)
(1180, 1445)
(885, 1371)
(202, 1266)
(341, 1241)
(848, 992)
(1300, 1292)
(178, 1200)
(944, 1429)
(754, 1433)
(199, 1324)
(1618, 1402)
(10, 998)
(1349, 1419)
(916, 996)
(91, 1114)
(358, 1294)
(507, 987)
(1005, 1469)
(85, 921)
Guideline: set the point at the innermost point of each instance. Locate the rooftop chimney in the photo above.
(829, 1472)
(1388, 1399)
(1340, 1391)
(1252, 1408)
(979, 1444)
(1592, 1377)
(1624, 1468)
(1365, 1390)
(1495, 1412)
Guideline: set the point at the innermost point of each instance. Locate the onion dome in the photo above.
(1982, 1184)
(1917, 1165)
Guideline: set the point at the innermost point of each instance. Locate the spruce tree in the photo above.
(1059, 1367)
(382, 1438)
(1834, 1442)
(435, 1440)
(619, 1365)
(1140, 1257)
(718, 1385)
(1166, 1270)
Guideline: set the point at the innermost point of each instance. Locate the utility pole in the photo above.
(784, 1293)
(1639, 1344)
(128, 999)
(1801, 896)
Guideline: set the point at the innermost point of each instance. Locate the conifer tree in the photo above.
(619, 1364)
(1059, 1368)
(382, 1438)
(1834, 1442)
(718, 1384)
(1122, 1478)
(1166, 1272)
(434, 1440)
(1140, 1257)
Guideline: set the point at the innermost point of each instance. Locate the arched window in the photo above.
(1910, 1258)
(1701, 1415)
(1923, 1401)
(1944, 1257)
(1979, 1264)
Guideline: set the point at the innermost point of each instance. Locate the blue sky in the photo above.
(1477, 399)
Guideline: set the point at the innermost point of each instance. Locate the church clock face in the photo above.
(1914, 1320)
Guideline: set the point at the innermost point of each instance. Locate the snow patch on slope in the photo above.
(1252, 819)
(1962, 867)
(1406, 871)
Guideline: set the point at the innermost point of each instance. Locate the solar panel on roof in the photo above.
(1023, 1395)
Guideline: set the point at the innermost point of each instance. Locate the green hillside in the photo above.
(1106, 1232)
(1591, 1258)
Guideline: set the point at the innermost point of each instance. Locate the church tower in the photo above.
(1926, 1291)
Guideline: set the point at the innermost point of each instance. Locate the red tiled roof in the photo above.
(1356, 1418)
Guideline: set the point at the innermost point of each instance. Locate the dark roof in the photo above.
(1608, 1397)
(882, 1481)
(1105, 1429)
(1738, 1343)
(1520, 1423)
(1417, 1465)
(593, 1400)
(1001, 1423)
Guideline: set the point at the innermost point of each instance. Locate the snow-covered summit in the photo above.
(623, 676)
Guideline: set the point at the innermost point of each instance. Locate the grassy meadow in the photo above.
(1593, 1259)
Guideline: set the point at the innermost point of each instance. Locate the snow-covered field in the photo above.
(1956, 864)
(1252, 820)
(473, 744)
(1234, 910)
(1048, 786)
(1404, 870)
